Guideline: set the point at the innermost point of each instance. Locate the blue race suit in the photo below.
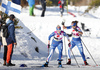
(76, 41)
(56, 42)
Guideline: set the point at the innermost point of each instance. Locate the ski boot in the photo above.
(4, 63)
(10, 64)
(59, 64)
(69, 62)
(45, 65)
(85, 62)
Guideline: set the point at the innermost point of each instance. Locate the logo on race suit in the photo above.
(58, 35)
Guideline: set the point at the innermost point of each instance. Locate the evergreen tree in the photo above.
(94, 4)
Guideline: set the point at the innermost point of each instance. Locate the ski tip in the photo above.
(97, 65)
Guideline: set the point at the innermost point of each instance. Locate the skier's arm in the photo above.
(67, 37)
(52, 34)
(78, 30)
(67, 27)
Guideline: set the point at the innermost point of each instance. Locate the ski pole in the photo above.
(73, 55)
(89, 53)
(75, 58)
(48, 51)
(64, 42)
(48, 48)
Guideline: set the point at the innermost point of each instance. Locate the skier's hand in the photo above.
(15, 43)
(69, 45)
(75, 29)
(48, 46)
(64, 27)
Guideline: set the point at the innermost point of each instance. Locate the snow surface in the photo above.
(35, 33)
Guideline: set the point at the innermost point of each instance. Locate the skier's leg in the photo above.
(60, 48)
(80, 47)
(69, 52)
(48, 58)
(52, 49)
(70, 48)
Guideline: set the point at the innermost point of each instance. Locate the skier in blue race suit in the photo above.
(76, 41)
(56, 42)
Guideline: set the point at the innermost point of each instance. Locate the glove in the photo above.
(69, 45)
(63, 23)
(48, 46)
(75, 29)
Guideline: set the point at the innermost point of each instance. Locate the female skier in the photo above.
(56, 42)
(76, 41)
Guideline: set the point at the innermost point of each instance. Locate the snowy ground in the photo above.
(35, 33)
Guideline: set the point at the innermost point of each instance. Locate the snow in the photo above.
(35, 33)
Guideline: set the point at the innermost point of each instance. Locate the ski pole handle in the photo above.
(69, 45)
(63, 23)
(48, 46)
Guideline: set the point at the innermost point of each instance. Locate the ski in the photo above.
(47, 67)
(60, 67)
(41, 67)
(89, 65)
(70, 64)
(80, 65)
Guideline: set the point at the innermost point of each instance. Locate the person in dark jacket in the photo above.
(11, 41)
(3, 40)
(17, 1)
(43, 3)
(0, 1)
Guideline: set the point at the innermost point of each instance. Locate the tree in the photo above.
(94, 4)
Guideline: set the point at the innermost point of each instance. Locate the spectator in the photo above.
(43, 3)
(61, 5)
(11, 41)
(17, 1)
(31, 9)
(3, 40)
